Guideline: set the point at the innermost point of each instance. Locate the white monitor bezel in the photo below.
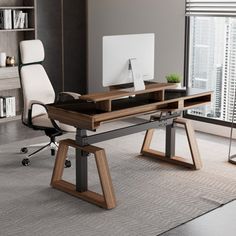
(118, 49)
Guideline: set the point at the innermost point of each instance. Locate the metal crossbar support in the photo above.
(82, 139)
(152, 124)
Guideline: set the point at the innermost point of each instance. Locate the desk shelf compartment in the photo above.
(193, 102)
(88, 114)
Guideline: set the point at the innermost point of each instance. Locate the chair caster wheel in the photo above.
(67, 164)
(25, 162)
(24, 150)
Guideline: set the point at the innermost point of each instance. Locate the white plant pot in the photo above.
(178, 85)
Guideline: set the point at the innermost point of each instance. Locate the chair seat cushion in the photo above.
(43, 121)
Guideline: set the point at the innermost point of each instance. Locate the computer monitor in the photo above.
(128, 59)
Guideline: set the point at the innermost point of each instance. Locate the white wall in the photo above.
(165, 18)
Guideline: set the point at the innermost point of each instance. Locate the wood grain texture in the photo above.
(104, 105)
(88, 196)
(147, 140)
(196, 160)
(192, 141)
(156, 96)
(92, 121)
(107, 200)
(105, 179)
(59, 162)
(162, 157)
(72, 118)
(115, 94)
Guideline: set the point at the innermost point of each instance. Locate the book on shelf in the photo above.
(7, 106)
(13, 19)
(20, 19)
(26, 23)
(2, 108)
(5, 19)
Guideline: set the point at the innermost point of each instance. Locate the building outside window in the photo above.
(211, 36)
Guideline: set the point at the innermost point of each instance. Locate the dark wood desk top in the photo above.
(91, 110)
(115, 94)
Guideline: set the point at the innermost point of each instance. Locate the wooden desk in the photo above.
(92, 110)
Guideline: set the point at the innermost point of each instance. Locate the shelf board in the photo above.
(8, 72)
(16, 30)
(9, 78)
(9, 67)
(17, 7)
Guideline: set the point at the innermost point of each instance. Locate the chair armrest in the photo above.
(67, 96)
(72, 94)
(34, 102)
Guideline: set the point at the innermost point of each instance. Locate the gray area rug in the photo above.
(152, 196)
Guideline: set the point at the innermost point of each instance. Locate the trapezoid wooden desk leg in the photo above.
(169, 155)
(107, 200)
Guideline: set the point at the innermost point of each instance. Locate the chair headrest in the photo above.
(31, 51)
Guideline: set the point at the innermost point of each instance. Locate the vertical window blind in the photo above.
(210, 8)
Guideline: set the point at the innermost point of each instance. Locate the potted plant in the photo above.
(174, 78)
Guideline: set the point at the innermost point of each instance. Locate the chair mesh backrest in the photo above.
(35, 83)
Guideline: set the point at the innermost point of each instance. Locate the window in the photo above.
(211, 64)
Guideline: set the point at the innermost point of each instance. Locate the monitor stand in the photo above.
(136, 75)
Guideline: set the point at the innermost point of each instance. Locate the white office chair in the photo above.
(38, 91)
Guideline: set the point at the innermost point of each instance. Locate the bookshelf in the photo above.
(9, 40)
